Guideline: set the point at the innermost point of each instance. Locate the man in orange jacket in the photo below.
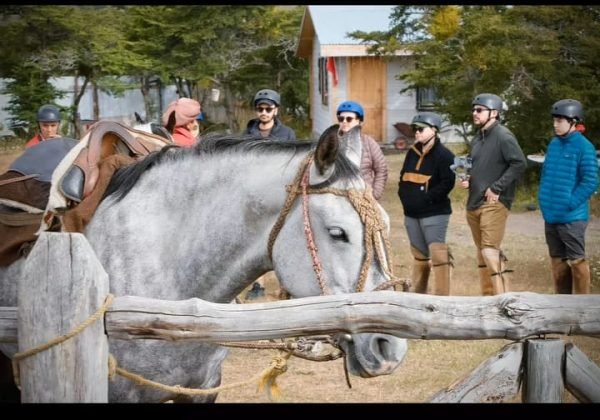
(48, 119)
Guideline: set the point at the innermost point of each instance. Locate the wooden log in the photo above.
(511, 316)
(63, 284)
(582, 376)
(8, 325)
(543, 372)
(496, 380)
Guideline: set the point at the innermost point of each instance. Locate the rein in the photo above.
(375, 238)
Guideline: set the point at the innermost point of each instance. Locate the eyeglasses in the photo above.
(418, 129)
(261, 109)
(479, 110)
(348, 119)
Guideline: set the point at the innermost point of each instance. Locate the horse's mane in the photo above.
(125, 178)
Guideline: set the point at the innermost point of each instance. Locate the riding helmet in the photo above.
(488, 100)
(431, 119)
(351, 106)
(48, 113)
(267, 95)
(569, 108)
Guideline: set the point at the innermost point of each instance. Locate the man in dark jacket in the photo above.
(267, 124)
(498, 162)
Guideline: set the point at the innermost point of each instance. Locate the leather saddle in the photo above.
(106, 138)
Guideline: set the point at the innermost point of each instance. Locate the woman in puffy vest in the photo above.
(373, 166)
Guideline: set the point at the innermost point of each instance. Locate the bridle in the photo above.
(375, 237)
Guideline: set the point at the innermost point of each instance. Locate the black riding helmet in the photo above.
(568, 108)
(48, 113)
(432, 119)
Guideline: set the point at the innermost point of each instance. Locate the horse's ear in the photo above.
(351, 145)
(171, 122)
(327, 149)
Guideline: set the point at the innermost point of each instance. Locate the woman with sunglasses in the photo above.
(424, 187)
(267, 123)
(498, 162)
(373, 166)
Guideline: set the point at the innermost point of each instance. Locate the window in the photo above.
(426, 98)
(323, 81)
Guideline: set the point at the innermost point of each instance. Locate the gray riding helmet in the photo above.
(267, 95)
(432, 119)
(569, 108)
(48, 113)
(488, 100)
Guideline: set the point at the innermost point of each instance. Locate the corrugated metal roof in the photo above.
(332, 23)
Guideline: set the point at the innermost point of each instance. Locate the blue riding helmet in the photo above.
(569, 108)
(351, 106)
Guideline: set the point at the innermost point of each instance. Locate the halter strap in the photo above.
(365, 205)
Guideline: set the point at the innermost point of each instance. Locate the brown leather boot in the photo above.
(485, 280)
(496, 262)
(441, 263)
(420, 271)
(580, 270)
(561, 274)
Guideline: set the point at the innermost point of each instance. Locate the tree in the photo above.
(472, 49)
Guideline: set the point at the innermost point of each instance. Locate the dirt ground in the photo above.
(430, 365)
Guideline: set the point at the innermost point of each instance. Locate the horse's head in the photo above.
(332, 214)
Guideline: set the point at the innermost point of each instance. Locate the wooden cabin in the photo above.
(341, 69)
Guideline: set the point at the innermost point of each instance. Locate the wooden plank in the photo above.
(495, 380)
(582, 376)
(543, 373)
(62, 286)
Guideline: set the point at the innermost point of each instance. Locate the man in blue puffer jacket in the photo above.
(568, 180)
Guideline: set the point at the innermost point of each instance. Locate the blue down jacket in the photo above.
(568, 180)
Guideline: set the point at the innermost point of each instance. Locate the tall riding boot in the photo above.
(580, 270)
(496, 262)
(561, 274)
(441, 263)
(485, 280)
(420, 271)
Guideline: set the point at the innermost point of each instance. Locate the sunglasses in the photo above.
(261, 109)
(348, 119)
(418, 129)
(478, 110)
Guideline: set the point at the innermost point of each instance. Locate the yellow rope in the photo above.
(267, 378)
(24, 354)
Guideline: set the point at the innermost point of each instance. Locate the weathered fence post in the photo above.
(543, 374)
(63, 284)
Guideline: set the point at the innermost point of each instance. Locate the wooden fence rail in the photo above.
(54, 298)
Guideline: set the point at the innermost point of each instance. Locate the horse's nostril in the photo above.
(385, 349)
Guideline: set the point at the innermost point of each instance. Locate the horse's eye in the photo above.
(338, 234)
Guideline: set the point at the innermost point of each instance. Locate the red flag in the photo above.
(331, 68)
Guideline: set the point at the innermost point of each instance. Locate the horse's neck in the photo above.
(207, 227)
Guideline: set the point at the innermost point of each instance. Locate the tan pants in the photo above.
(488, 224)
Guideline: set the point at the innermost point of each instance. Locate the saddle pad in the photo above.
(43, 158)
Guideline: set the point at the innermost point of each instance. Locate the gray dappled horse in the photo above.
(205, 222)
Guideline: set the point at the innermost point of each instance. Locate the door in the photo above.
(367, 86)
